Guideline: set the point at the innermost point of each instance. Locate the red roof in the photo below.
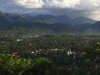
(83, 53)
(46, 53)
(15, 53)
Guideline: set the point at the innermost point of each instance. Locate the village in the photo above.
(64, 52)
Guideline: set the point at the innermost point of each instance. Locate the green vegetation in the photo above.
(48, 55)
(20, 66)
(40, 66)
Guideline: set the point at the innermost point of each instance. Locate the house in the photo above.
(31, 52)
(45, 53)
(30, 44)
(54, 49)
(14, 53)
(19, 39)
(69, 52)
(83, 53)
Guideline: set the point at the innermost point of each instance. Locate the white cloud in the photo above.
(76, 4)
(47, 3)
(61, 3)
(30, 3)
(89, 4)
(94, 15)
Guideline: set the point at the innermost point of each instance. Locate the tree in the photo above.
(92, 58)
(42, 66)
(13, 65)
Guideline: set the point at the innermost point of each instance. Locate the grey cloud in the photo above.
(72, 8)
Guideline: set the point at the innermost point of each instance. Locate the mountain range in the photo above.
(49, 23)
(49, 19)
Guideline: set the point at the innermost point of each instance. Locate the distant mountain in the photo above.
(28, 17)
(64, 19)
(49, 19)
(95, 26)
(89, 28)
(16, 17)
(4, 20)
(82, 20)
(1, 14)
(43, 27)
(45, 18)
(47, 24)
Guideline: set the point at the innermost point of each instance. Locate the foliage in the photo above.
(13, 65)
(92, 59)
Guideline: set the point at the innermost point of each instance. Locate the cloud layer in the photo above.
(48, 3)
(72, 8)
(77, 4)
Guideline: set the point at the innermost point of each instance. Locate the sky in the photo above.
(71, 8)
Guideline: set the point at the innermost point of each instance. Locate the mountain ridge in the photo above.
(49, 19)
(47, 23)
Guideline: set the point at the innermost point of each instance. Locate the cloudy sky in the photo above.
(71, 8)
